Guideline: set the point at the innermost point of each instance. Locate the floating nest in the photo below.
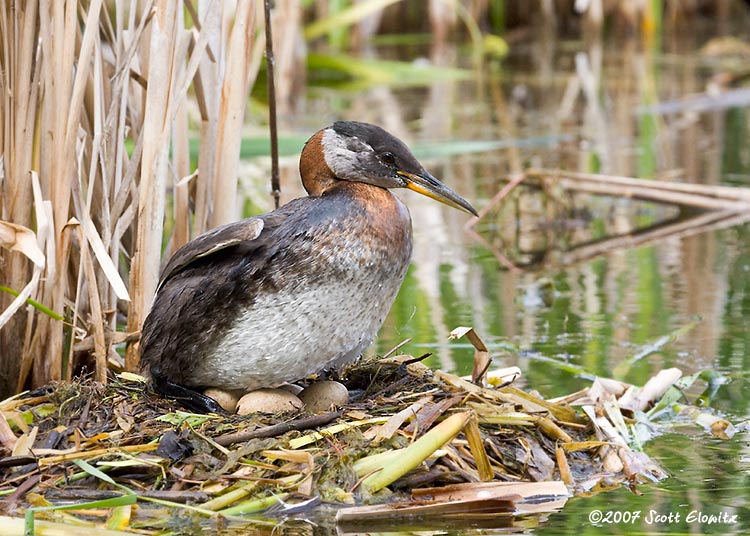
(412, 443)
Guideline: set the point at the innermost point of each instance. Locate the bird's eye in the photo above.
(388, 158)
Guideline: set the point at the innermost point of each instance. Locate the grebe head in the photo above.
(361, 152)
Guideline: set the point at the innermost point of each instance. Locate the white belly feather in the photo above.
(296, 332)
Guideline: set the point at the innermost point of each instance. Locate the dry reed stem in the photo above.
(232, 112)
(288, 50)
(207, 95)
(17, 79)
(100, 351)
(96, 453)
(181, 165)
(144, 275)
(89, 100)
(711, 197)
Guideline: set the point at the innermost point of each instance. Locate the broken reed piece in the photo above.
(700, 196)
(482, 359)
(413, 455)
(466, 499)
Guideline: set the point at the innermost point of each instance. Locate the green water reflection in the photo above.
(524, 281)
(600, 313)
(707, 479)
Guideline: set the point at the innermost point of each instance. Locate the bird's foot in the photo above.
(188, 398)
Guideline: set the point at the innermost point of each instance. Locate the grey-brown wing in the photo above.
(210, 242)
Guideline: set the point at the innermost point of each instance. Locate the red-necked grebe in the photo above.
(277, 297)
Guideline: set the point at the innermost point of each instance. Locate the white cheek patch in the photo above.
(341, 159)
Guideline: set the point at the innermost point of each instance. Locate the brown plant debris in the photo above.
(469, 447)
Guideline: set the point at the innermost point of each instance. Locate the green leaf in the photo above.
(254, 505)
(114, 502)
(346, 17)
(385, 72)
(93, 471)
(177, 418)
(42, 308)
(494, 46)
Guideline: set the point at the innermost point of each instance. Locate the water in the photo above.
(676, 301)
